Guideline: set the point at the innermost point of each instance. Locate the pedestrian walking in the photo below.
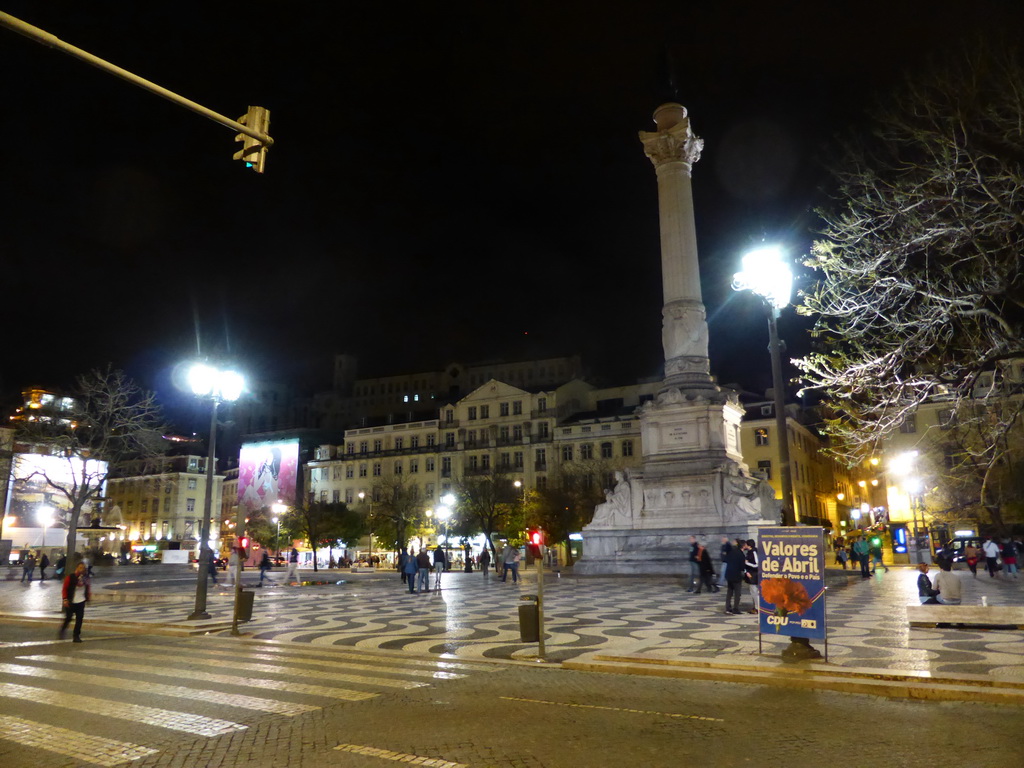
(991, 550)
(734, 569)
(291, 576)
(44, 563)
(232, 567)
(485, 562)
(752, 573)
(75, 593)
(58, 570)
(971, 558)
(439, 565)
(723, 554)
(211, 567)
(861, 552)
(694, 565)
(707, 570)
(409, 569)
(423, 569)
(28, 567)
(1009, 558)
(265, 567)
(510, 562)
(876, 555)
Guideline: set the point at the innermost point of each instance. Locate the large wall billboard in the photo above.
(267, 473)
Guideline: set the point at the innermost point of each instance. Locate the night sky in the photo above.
(451, 181)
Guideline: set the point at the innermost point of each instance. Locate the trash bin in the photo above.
(245, 601)
(529, 620)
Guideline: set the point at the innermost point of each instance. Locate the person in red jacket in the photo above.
(75, 594)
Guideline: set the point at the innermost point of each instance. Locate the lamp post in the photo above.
(442, 514)
(44, 515)
(219, 386)
(766, 274)
(904, 465)
(278, 509)
(369, 517)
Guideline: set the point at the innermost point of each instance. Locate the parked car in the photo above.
(957, 546)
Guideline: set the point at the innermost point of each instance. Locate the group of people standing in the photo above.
(415, 569)
(738, 565)
(859, 551)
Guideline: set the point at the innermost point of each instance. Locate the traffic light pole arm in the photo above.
(44, 37)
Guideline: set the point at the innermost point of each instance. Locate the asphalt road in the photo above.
(161, 701)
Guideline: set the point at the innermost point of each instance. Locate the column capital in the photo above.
(675, 143)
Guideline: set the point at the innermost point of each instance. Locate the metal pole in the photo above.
(785, 474)
(44, 37)
(204, 534)
(540, 605)
(239, 526)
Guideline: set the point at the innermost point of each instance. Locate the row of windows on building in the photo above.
(506, 460)
(168, 485)
(129, 506)
(505, 434)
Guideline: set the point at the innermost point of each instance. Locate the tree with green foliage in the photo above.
(920, 271)
(567, 503)
(395, 508)
(489, 502)
(319, 523)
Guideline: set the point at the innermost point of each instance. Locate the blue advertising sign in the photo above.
(791, 561)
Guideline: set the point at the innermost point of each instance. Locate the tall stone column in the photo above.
(673, 149)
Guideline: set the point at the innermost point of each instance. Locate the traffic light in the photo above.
(243, 543)
(535, 543)
(253, 152)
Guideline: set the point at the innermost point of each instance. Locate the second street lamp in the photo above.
(209, 382)
(767, 274)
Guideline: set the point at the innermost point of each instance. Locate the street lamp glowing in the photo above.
(448, 500)
(766, 273)
(903, 463)
(207, 381)
(44, 516)
(219, 386)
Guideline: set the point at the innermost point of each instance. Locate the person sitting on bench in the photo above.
(948, 584)
(924, 586)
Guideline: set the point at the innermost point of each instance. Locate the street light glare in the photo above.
(903, 463)
(448, 499)
(201, 378)
(766, 273)
(231, 385)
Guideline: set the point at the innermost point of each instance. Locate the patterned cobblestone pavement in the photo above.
(475, 617)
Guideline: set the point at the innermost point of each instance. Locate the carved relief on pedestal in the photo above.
(675, 144)
(684, 330)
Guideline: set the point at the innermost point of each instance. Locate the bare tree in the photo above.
(105, 422)
(920, 271)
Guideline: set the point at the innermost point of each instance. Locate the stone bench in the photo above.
(968, 615)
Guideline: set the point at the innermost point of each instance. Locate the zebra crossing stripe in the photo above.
(80, 746)
(137, 713)
(209, 677)
(296, 658)
(399, 757)
(269, 669)
(322, 651)
(176, 691)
